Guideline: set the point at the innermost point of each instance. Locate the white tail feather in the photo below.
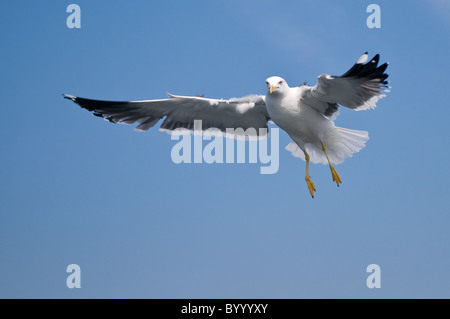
(341, 143)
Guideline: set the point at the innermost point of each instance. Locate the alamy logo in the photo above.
(74, 279)
(374, 20)
(74, 19)
(213, 152)
(374, 279)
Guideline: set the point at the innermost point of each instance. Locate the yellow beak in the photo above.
(272, 89)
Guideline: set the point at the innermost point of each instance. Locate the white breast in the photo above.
(296, 118)
(283, 111)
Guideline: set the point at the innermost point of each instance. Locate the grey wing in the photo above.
(180, 112)
(359, 88)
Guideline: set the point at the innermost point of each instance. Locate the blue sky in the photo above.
(79, 190)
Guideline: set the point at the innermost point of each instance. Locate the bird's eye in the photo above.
(280, 83)
(267, 83)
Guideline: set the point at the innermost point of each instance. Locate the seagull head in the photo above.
(276, 85)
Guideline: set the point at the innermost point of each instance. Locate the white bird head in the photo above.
(276, 85)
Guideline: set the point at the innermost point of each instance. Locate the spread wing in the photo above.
(180, 112)
(359, 88)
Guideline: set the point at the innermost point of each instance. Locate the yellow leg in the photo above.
(334, 174)
(308, 180)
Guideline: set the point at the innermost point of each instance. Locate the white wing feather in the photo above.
(359, 88)
(180, 112)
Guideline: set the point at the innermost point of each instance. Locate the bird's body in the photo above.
(306, 113)
(303, 124)
(308, 128)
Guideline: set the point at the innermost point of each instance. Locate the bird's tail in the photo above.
(341, 143)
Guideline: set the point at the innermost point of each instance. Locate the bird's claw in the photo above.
(310, 184)
(335, 176)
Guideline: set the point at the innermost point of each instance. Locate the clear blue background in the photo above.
(76, 189)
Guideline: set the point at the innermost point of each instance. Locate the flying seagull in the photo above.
(305, 112)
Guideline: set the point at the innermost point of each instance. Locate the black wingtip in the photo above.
(69, 97)
(370, 70)
(375, 59)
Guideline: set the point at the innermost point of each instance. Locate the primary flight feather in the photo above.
(306, 113)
